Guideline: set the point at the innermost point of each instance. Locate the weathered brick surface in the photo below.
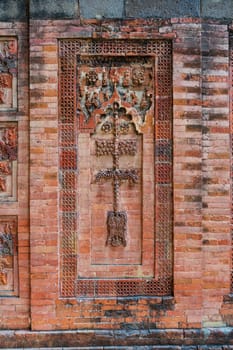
(201, 248)
(177, 339)
(201, 197)
(187, 175)
(216, 172)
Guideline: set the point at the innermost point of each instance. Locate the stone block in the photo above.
(11, 10)
(217, 8)
(162, 8)
(101, 8)
(56, 9)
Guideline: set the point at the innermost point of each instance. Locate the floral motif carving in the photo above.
(6, 251)
(92, 78)
(138, 76)
(106, 147)
(131, 79)
(3, 273)
(8, 158)
(8, 72)
(8, 144)
(6, 243)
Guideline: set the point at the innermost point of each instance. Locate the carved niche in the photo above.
(115, 95)
(8, 255)
(8, 161)
(115, 108)
(8, 73)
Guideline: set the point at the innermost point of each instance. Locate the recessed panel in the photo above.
(8, 255)
(8, 161)
(115, 103)
(8, 73)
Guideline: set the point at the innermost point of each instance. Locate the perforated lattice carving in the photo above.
(160, 53)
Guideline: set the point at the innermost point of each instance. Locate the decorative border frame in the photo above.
(162, 282)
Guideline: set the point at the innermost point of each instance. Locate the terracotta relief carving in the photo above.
(8, 144)
(116, 121)
(100, 78)
(8, 159)
(3, 273)
(8, 73)
(94, 74)
(114, 97)
(7, 253)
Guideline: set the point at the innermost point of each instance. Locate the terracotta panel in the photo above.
(8, 73)
(122, 89)
(8, 256)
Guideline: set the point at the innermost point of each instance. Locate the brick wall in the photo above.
(192, 283)
(14, 209)
(201, 179)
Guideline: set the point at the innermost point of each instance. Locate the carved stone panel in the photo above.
(8, 73)
(8, 255)
(8, 161)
